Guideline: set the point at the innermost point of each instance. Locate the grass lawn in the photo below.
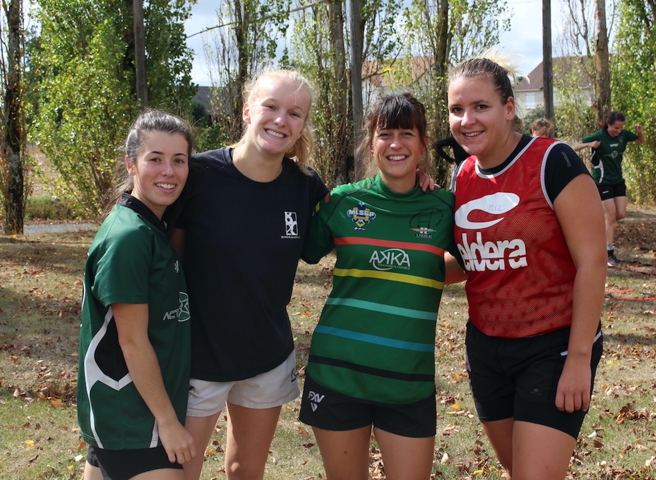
(40, 294)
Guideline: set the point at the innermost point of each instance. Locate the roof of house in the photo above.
(561, 66)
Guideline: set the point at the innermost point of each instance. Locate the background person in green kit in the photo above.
(372, 363)
(608, 145)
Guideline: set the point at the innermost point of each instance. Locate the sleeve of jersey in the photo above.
(630, 136)
(319, 241)
(122, 269)
(593, 137)
(452, 247)
(563, 166)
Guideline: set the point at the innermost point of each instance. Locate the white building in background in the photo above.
(529, 91)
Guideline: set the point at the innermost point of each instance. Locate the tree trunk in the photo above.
(342, 173)
(13, 134)
(602, 63)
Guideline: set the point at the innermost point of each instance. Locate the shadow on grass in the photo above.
(611, 337)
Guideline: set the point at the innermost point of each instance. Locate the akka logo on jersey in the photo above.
(389, 259)
(315, 399)
(481, 255)
(291, 225)
(361, 216)
(425, 222)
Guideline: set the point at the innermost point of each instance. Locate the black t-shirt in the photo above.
(243, 240)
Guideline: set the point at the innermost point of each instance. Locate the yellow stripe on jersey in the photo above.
(394, 277)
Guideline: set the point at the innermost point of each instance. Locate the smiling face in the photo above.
(397, 152)
(615, 129)
(160, 170)
(480, 122)
(276, 114)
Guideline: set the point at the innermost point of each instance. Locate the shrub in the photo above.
(48, 208)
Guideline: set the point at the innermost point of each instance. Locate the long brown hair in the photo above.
(147, 122)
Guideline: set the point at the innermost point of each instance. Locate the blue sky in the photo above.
(524, 38)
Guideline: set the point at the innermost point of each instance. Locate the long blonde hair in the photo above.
(301, 151)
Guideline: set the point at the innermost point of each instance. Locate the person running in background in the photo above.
(372, 358)
(242, 231)
(529, 227)
(608, 145)
(541, 127)
(133, 376)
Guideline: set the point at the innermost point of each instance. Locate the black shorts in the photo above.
(125, 464)
(608, 191)
(508, 379)
(323, 408)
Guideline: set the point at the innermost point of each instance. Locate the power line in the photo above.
(305, 7)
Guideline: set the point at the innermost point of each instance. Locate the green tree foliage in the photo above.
(634, 91)
(86, 94)
(168, 59)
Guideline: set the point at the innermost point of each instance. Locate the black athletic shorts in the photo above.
(125, 464)
(608, 191)
(518, 378)
(323, 408)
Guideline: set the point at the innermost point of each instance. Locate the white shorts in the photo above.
(266, 390)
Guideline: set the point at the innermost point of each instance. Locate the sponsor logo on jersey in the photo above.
(181, 313)
(361, 216)
(315, 399)
(425, 222)
(481, 255)
(291, 225)
(389, 259)
(176, 266)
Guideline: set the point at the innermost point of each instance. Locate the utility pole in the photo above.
(547, 61)
(357, 41)
(140, 52)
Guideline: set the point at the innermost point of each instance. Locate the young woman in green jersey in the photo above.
(135, 340)
(371, 366)
(608, 145)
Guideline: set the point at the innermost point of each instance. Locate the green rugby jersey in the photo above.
(375, 339)
(131, 260)
(607, 159)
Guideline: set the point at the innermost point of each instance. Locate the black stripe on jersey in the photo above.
(408, 377)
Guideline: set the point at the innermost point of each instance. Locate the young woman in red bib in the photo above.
(529, 226)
